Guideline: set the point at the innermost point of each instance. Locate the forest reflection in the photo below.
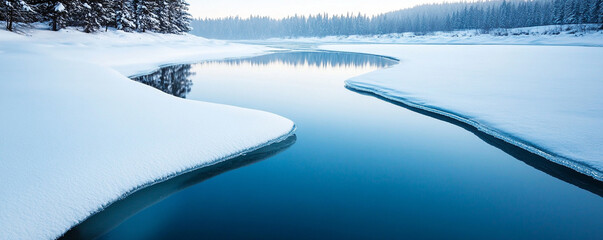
(322, 59)
(175, 79)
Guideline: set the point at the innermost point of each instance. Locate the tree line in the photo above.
(485, 15)
(163, 16)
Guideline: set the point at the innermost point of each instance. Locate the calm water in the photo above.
(360, 167)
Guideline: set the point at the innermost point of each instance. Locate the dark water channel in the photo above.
(359, 167)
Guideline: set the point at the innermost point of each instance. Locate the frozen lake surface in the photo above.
(359, 168)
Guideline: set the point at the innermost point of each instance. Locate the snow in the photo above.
(59, 7)
(77, 134)
(546, 99)
(569, 35)
(128, 53)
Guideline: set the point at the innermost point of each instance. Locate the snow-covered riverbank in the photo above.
(128, 53)
(546, 99)
(568, 35)
(77, 134)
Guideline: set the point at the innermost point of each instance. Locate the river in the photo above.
(359, 167)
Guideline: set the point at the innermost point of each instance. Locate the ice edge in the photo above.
(579, 167)
(175, 174)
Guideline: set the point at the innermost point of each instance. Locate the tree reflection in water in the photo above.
(319, 59)
(174, 79)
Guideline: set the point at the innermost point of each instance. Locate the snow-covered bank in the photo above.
(77, 134)
(543, 35)
(544, 99)
(129, 53)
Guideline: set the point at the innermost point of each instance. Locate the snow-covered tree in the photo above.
(596, 9)
(162, 11)
(184, 17)
(146, 19)
(54, 11)
(92, 15)
(124, 15)
(107, 13)
(13, 11)
(165, 16)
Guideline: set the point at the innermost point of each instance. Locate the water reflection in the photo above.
(323, 59)
(175, 79)
(121, 210)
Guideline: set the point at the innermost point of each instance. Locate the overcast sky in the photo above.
(282, 8)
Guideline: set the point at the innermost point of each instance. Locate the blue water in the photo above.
(359, 167)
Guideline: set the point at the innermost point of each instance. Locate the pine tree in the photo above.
(163, 12)
(559, 12)
(146, 19)
(600, 15)
(570, 12)
(107, 13)
(91, 15)
(13, 11)
(596, 11)
(54, 11)
(182, 18)
(124, 15)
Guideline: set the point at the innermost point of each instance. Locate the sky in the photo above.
(283, 8)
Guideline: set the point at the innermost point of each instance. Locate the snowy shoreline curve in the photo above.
(509, 139)
(77, 134)
(527, 96)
